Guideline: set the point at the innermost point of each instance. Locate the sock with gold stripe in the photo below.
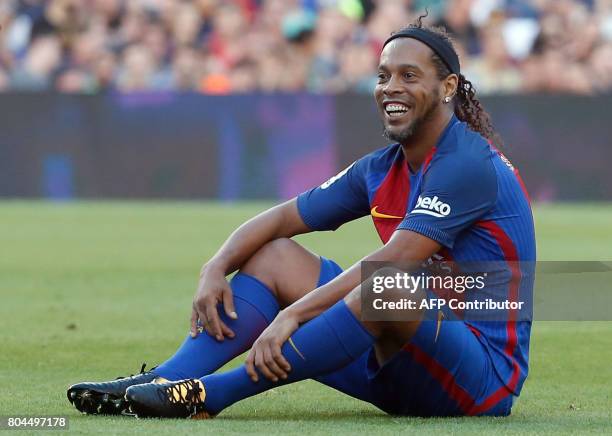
(324, 344)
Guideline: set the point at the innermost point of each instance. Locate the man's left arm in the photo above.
(403, 247)
(450, 202)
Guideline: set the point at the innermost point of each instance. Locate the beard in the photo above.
(405, 135)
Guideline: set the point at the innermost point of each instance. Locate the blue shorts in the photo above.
(445, 372)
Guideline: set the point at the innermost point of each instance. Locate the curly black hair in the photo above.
(467, 107)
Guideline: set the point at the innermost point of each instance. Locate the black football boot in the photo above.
(179, 399)
(106, 398)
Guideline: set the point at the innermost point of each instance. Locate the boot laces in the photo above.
(184, 392)
(142, 371)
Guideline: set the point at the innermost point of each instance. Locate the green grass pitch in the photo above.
(91, 290)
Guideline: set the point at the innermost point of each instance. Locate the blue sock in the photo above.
(326, 343)
(256, 308)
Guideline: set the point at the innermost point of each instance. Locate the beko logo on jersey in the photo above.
(432, 206)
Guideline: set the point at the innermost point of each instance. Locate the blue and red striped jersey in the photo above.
(469, 198)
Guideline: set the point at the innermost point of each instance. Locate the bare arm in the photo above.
(280, 221)
(404, 246)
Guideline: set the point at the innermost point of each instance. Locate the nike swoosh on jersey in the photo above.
(377, 214)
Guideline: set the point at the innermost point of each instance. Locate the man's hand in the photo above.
(212, 290)
(266, 351)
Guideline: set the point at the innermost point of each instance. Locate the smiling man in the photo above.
(442, 190)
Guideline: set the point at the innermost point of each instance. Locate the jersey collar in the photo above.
(445, 133)
(439, 144)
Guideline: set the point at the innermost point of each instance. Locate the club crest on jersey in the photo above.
(432, 206)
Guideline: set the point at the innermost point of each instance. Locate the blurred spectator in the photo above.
(326, 46)
(37, 68)
(493, 69)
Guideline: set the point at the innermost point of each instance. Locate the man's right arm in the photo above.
(282, 221)
(341, 199)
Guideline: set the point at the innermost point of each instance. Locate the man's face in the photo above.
(408, 89)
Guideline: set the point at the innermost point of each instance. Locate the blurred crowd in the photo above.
(323, 46)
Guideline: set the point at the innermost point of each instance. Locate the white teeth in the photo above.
(396, 109)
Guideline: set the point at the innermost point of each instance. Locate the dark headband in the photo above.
(439, 46)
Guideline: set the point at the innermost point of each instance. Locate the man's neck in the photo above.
(421, 143)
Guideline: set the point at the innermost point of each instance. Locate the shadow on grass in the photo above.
(363, 416)
(297, 415)
(354, 422)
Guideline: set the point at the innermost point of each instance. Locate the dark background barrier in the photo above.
(265, 146)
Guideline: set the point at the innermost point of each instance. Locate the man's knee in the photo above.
(376, 286)
(287, 268)
(267, 259)
(394, 310)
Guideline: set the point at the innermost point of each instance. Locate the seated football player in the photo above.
(442, 190)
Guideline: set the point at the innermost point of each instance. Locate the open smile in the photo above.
(395, 110)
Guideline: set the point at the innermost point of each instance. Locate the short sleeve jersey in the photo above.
(467, 196)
